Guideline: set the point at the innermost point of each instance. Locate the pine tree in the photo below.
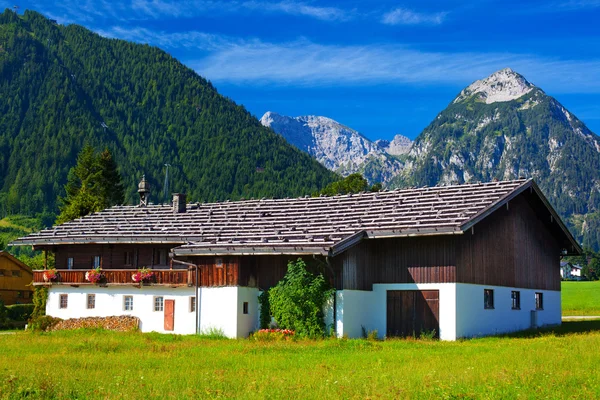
(93, 184)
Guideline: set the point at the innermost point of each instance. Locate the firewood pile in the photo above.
(120, 324)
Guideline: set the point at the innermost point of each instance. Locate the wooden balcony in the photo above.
(76, 277)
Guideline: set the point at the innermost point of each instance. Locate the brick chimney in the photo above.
(178, 203)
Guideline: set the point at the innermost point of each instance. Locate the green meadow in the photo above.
(556, 364)
(581, 298)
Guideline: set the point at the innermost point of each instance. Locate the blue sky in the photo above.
(381, 67)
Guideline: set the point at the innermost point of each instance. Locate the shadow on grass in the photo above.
(567, 328)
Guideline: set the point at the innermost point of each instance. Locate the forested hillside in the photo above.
(64, 86)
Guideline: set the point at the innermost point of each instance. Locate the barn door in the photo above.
(410, 312)
(169, 315)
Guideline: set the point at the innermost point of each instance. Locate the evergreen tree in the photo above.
(93, 184)
(353, 183)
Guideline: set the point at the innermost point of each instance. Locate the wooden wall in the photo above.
(213, 275)
(512, 248)
(112, 256)
(265, 272)
(429, 259)
(14, 289)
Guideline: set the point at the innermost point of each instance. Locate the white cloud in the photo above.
(303, 63)
(574, 5)
(160, 8)
(189, 39)
(299, 8)
(403, 16)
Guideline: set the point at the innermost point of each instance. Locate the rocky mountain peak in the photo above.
(397, 146)
(503, 85)
(340, 148)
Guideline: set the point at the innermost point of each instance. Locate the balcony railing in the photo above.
(75, 277)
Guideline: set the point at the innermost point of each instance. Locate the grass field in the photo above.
(581, 298)
(96, 364)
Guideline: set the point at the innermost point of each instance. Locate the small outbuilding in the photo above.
(452, 261)
(15, 280)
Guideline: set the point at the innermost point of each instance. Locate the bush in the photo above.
(265, 310)
(20, 312)
(297, 301)
(40, 296)
(43, 323)
(3, 312)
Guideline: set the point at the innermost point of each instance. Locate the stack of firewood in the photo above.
(120, 324)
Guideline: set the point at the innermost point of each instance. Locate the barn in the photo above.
(453, 261)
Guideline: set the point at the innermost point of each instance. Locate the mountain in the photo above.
(504, 127)
(63, 86)
(398, 146)
(340, 148)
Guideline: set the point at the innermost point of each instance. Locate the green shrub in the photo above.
(40, 296)
(297, 301)
(3, 312)
(265, 310)
(19, 312)
(42, 323)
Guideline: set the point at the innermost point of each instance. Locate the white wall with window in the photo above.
(113, 301)
(511, 309)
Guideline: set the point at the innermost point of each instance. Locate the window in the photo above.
(70, 263)
(19, 294)
(128, 303)
(16, 272)
(515, 297)
(160, 257)
(2, 272)
(158, 303)
(219, 262)
(64, 300)
(488, 298)
(539, 301)
(192, 304)
(128, 257)
(91, 301)
(245, 307)
(96, 261)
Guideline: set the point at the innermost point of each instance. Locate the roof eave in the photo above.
(323, 251)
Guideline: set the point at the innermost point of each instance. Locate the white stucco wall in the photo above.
(110, 302)
(358, 308)
(221, 308)
(474, 320)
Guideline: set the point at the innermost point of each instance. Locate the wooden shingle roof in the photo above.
(314, 225)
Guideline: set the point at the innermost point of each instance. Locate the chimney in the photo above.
(178, 203)
(144, 191)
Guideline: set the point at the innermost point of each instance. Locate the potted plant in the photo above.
(50, 275)
(95, 275)
(143, 275)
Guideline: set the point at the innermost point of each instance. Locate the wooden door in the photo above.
(169, 315)
(410, 312)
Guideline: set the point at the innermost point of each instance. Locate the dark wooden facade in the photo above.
(512, 247)
(117, 256)
(515, 246)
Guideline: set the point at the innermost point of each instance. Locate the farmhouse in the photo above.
(15, 280)
(460, 261)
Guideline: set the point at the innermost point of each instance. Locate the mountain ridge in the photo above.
(339, 147)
